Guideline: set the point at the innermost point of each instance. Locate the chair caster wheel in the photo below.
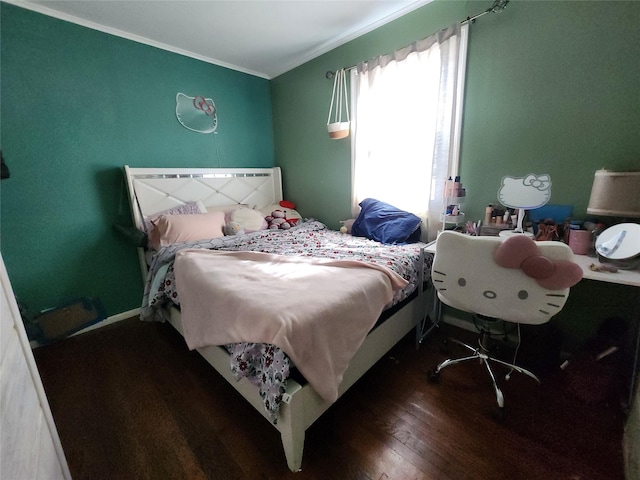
(444, 348)
(497, 413)
(433, 376)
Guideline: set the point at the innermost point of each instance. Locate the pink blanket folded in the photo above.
(318, 311)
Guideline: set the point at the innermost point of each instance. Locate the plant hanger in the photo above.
(339, 127)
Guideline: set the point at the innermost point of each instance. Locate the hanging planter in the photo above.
(339, 127)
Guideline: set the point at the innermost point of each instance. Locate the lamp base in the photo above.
(626, 264)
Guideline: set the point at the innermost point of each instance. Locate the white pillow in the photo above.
(248, 219)
(225, 208)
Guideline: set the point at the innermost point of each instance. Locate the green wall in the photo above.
(77, 105)
(552, 87)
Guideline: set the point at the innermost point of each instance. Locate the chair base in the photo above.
(481, 353)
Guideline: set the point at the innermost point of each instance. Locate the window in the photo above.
(407, 112)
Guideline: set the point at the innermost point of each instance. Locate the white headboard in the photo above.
(153, 190)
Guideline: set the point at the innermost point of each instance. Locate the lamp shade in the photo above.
(615, 194)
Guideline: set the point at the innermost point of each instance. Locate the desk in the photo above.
(621, 277)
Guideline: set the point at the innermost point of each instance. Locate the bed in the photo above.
(155, 190)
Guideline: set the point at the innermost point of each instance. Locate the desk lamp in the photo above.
(617, 194)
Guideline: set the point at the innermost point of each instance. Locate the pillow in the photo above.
(385, 223)
(169, 229)
(224, 208)
(248, 219)
(189, 208)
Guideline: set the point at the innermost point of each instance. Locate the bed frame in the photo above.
(152, 190)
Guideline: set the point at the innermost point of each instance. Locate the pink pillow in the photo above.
(187, 208)
(171, 229)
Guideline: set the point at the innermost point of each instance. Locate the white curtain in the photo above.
(406, 126)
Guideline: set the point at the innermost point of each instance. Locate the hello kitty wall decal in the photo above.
(198, 113)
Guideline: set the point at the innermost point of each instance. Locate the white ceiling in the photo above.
(260, 37)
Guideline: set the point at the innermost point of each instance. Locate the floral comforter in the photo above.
(267, 366)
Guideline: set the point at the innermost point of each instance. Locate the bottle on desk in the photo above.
(487, 214)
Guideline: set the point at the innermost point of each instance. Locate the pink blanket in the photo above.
(318, 311)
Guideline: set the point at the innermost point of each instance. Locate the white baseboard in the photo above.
(109, 320)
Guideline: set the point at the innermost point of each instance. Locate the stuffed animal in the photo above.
(277, 221)
(233, 228)
(346, 225)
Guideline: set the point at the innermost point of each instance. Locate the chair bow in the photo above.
(522, 252)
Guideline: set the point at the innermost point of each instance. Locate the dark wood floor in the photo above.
(130, 401)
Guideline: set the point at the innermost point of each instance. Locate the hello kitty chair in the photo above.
(514, 279)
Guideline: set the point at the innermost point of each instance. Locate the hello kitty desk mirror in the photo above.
(525, 193)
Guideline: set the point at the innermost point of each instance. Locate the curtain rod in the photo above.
(497, 7)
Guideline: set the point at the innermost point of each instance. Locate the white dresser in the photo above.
(29, 442)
